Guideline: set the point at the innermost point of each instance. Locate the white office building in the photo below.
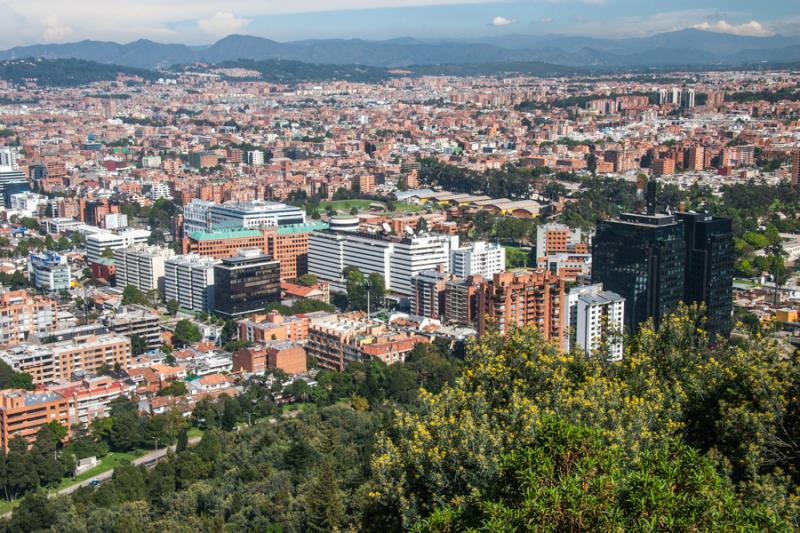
(141, 266)
(27, 204)
(201, 215)
(98, 241)
(160, 190)
(59, 225)
(479, 258)
(397, 260)
(189, 280)
(115, 221)
(255, 214)
(255, 158)
(595, 317)
(49, 272)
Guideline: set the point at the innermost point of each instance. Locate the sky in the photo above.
(199, 22)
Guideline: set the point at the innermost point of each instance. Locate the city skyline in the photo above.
(201, 23)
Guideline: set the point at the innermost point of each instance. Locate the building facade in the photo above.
(245, 284)
(23, 315)
(189, 280)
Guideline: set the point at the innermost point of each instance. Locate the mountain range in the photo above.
(688, 47)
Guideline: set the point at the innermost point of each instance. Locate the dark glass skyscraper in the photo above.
(246, 283)
(641, 258)
(709, 267)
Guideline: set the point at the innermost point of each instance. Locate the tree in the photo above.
(107, 253)
(230, 414)
(131, 295)
(138, 344)
(422, 225)
(173, 306)
(186, 332)
(356, 289)
(307, 280)
(325, 508)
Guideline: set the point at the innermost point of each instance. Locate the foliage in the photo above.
(65, 72)
(9, 379)
(359, 286)
(186, 332)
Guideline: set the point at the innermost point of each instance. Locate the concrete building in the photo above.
(253, 215)
(142, 266)
(61, 360)
(396, 259)
(136, 320)
(553, 238)
(428, 298)
(189, 280)
(341, 339)
(461, 300)
(23, 316)
(594, 317)
(478, 259)
(100, 241)
(49, 272)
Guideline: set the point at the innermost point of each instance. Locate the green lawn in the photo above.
(194, 432)
(6, 506)
(345, 205)
(109, 461)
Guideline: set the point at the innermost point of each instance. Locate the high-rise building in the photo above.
(553, 238)
(255, 158)
(429, 289)
(189, 280)
(687, 98)
(522, 298)
(709, 267)
(795, 178)
(23, 315)
(478, 259)
(663, 166)
(641, 257)
(594, 318)
(461, 300)
(695, 158)
(49, 271)
(142, 266)
(246, 283)
(12, 178)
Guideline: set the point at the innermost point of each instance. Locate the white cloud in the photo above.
(502, 21)
(752, 28)
(221, 24)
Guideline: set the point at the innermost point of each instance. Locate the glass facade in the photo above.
(245, 285)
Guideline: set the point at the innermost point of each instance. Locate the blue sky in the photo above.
(203, 21)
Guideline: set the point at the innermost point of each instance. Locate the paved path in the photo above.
(148, 459)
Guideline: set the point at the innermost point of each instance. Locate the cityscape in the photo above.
(497, 281)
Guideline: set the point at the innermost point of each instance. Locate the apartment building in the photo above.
(130, 320)
(523, 298)
(352, 337)
(23, 413)
(23, 315)
(594, 317)
(556, 238)
(76, 356)
(90, 398)
(461, 300)
(142, 266)
(189, 280)
(478, 259)
(428, 299)
(273, 326)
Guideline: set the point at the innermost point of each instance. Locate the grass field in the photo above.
(109, 461)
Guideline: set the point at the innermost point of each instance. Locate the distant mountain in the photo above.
(66, 72)
(680, 48)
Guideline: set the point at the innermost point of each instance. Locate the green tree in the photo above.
(325, 509)
(138, 344)
(173, 306)
(186, 332)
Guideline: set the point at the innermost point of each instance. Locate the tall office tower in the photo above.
(478, 259)
(687, 98)
(255, 158)
(796, 167)
(521, 298)
(246, 283)
(675, 96)
(641, 258)
(662, 97)
(709, 267)
(695, 158)
(594, 317)
(189, 280)
(12, 179)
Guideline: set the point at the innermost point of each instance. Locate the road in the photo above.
(147, 460)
